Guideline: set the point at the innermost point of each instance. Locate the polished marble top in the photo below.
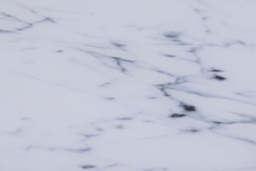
(128, 85)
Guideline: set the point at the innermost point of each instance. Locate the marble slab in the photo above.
(128, 85)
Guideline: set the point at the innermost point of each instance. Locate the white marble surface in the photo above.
(128, 85)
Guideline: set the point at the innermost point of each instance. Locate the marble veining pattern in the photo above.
(128, 85)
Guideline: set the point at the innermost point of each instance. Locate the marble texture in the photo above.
(128, 85)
